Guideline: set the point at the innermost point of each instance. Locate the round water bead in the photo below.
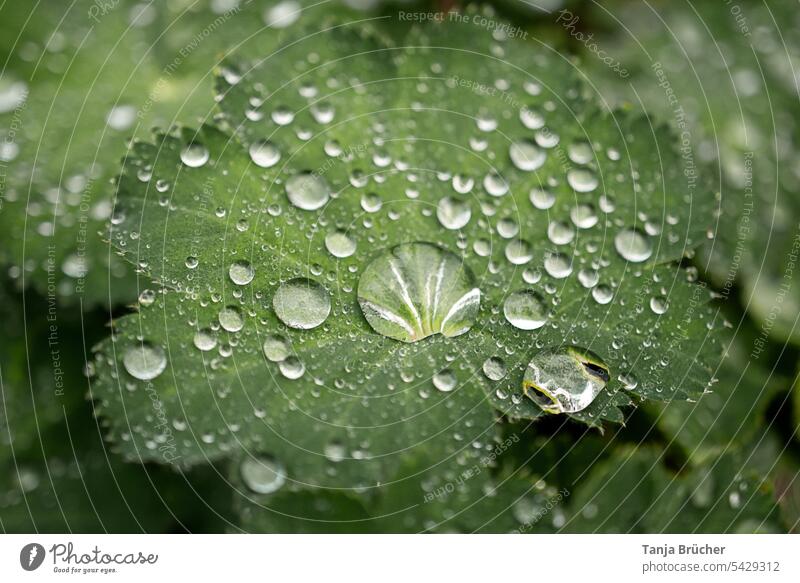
(144, 361)
(263, 474)
(302, 303)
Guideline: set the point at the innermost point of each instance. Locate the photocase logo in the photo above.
(31, 556)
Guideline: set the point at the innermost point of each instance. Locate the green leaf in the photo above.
(633, 492)
(723, 76)
(95, 75)
(415, 123)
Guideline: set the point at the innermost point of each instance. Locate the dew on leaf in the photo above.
(659, 304)
(494, 368)
(558, 265)
(633, 245)
(292, 368)
(307, 191)
(542, 199)
(263, 474)
(526, 155)
(414, 290)
(452, 213)
(582, 180)
(230, 318)
(525, 310)
(144, 361)
(264, 153)
(519, 252)
(565, 379)
(340, 244)
(194, 155)
(241, 272)
(302, 303)
(445, 380)
(276, 348)
(204, 340)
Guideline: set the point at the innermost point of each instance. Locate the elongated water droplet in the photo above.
(418, 289)
(525, 310)
(307, 191)
(302, 303)
(565, 380)
(263, 475)
(145, 361)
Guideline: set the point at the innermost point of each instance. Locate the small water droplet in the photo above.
(230, 318)
(292, 368)
(659, 304)
(340, 244)
(582, 180)
(526, 155)
(263, 474)
(264, 153)
(145, 361)
(241, 272)
(452, 213)
(633, 245)
(307, 191)
(445, 380)
(204, 340)
(525, 310)
(276, 348)
(194, 155)
(494, 368)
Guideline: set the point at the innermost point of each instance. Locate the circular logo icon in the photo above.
(31, 556)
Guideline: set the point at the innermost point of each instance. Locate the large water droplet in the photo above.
(302, 303)
(263, 475)
(633, 245)
(145, 361)
(418, 289)
(307, 191)
(525, 310)
(565, 380)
